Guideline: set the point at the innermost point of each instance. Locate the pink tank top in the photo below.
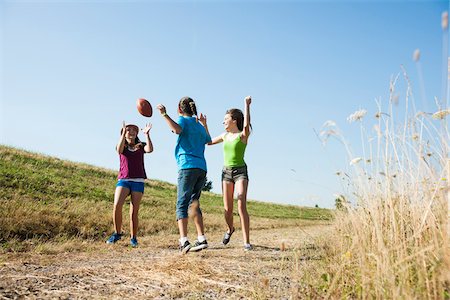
(132, 164)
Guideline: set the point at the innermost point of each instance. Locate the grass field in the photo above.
(56, 215)
(46, 199)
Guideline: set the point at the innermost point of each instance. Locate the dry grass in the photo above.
(390, 240)
(157, 270)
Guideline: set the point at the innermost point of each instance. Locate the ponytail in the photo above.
(187, 106)
(193, 107)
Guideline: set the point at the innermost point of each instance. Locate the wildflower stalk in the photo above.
(395, 248)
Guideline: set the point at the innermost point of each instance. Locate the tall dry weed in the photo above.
(391, 237)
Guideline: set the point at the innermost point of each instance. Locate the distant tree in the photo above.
(316, 206)
(208, 185)
(341, 203)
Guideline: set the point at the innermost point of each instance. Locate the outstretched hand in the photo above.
(202, 119)
(124, 127)
(147, 128)
(161, 108)
(248, 100)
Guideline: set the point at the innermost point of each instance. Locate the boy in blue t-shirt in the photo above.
(189, 153)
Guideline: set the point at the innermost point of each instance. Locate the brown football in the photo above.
(144, 107)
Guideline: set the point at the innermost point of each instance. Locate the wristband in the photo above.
(164, 114)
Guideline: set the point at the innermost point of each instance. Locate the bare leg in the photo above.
(228, 191)
(198, 218)
(182, 227)
(120, 195)
(241, 188)
(134, 210)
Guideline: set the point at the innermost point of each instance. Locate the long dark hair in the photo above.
(236, 114)
(187, 106)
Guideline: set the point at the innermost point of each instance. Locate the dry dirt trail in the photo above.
(157, 270)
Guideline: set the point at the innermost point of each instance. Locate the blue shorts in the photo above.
(190, 184)
(131, 185)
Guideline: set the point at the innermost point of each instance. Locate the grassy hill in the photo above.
(45, 198)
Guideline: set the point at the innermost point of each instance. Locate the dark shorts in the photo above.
(233, 174)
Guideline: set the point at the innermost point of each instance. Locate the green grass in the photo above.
(46, 198)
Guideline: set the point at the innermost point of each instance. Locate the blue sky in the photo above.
(71, 71)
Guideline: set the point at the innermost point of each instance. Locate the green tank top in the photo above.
(233, 152)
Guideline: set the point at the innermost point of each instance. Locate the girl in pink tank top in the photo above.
(130, 179)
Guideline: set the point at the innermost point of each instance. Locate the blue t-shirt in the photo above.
(190, 149)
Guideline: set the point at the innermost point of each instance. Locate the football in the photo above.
(144, 107)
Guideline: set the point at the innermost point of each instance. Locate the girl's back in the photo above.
(190, 147)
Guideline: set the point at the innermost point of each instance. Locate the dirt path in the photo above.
(157, 270)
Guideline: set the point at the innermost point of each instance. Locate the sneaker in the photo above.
(114, 238)
(197, 246)
(186, 247)
(248, 247)
(134, 242)
(227, 237)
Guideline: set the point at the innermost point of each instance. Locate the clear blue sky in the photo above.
(71, 71)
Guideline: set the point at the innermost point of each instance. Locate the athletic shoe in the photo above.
(248, 247)
(197, 246)
(227, 237)
(114, 238)
(134, 242)
(186, 247)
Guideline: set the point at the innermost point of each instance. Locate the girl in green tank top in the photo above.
(233, 151)
(234, 173)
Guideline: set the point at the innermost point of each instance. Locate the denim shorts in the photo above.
(190, 184)
(131, 185)
(233, 174)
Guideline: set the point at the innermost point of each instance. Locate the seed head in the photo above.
(439, 115)
(357, 115)
(355, 160)
(329, 123)
(421, 114)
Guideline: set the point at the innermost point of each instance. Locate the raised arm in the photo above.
(202, 119)
(215, 140)
(121, 143)
(149, 146)
(172, 124)
(246, 131)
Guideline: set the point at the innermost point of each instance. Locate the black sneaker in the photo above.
(227, 237)
(185, 248)
(197, 246)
